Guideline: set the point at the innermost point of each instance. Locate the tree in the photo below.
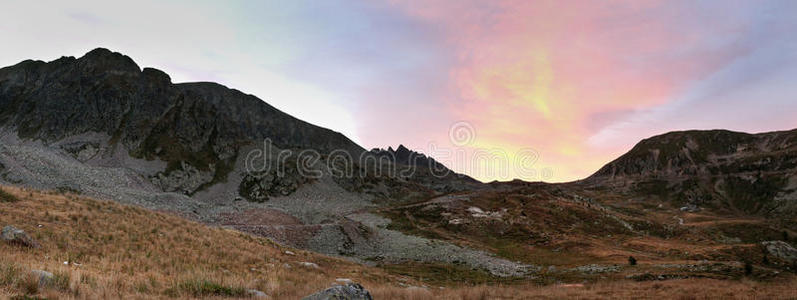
(632, 261)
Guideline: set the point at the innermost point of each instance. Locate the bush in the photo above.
(632, 261)
(29, 284)
(61, 281)
(748, 268)
(205, 288)
(6, 197)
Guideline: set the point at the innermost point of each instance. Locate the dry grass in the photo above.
(116, 251)
(108, 250)
(673, 289)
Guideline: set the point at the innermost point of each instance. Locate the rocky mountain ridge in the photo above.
(100, 125)
(741, 172)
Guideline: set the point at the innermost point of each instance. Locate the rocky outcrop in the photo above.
(44, 278)
(282, 181)
(750, 173)
(12, 235)
(781, 250)
(351, 291)
(186, 180)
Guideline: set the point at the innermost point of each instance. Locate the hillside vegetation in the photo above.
(100, 249)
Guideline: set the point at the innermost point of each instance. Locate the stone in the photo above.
(256, 294)
(781, 250)
(44, 277)
(344, 280)
(16, 236)
(309, 265)
(351, 291)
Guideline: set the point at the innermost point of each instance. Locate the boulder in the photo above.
(256, 294)
(12, 235)
(344, 280)
(44, 277)
(351, 291)
(309, 265)
(781, 250)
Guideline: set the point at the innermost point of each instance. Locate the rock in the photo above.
(597, 269)
(344, 280)
(781, 250)
(256, 294)
(45, 278)
(13, 235)
(288, 252)
(351, 291)
(690, 208)
(309, 265)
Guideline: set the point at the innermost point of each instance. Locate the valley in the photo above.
(146, 188)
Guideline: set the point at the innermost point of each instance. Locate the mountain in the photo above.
(739, 172)
(192, 126)
(100, 126)
(106, 92)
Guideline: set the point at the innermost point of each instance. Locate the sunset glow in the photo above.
(576, 82)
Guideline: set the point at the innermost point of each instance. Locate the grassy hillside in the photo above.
(100, 250)
(103, 249)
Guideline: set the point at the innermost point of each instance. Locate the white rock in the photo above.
(309, 265)
(344, 280)
(256, 294)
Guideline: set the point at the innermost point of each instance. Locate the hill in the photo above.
(717, 169)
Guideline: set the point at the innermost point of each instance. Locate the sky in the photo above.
(536, 90)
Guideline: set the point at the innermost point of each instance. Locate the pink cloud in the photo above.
(550, 74)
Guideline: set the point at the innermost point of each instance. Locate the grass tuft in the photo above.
(205, 288)
(7, 197)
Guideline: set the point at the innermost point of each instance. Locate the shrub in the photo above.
(748, 268)
(6, 197)
(61, 281)
(29, 284)
(632, 261)
(205, 288)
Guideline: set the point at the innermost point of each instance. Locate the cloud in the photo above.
(551, 75)
(577, 82)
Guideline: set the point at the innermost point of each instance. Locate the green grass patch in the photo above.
(205, 288)
(7, 197)
(444, 274)
(400, 221)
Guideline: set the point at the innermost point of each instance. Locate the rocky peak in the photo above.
(103, 60)
(156, 76)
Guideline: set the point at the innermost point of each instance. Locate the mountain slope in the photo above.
(115, 251)
(748, 173)
(202, 124)
(101, 126)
